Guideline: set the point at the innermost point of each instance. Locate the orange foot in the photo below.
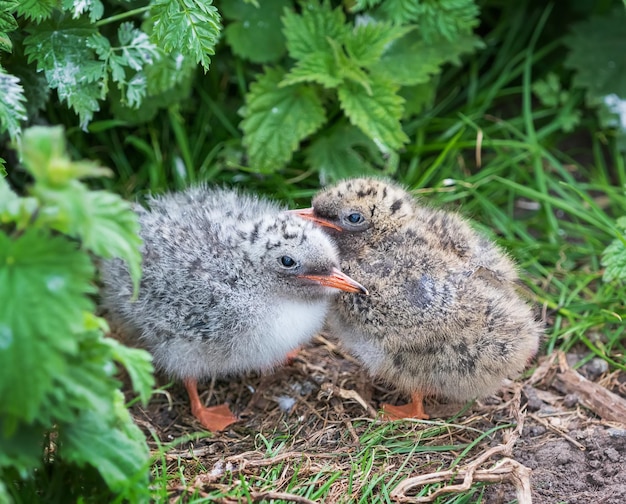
(215, 418)
(414, 409)
(291, 356)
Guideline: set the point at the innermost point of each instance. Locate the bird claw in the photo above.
(215, 418)
(410, 410)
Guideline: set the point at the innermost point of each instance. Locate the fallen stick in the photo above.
(506, 469)
(602, 402)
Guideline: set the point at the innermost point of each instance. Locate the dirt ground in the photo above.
(554, 437)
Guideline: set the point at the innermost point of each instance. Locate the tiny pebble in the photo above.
(596, 367)
(594, 463)
(612, 454)
(570, 400)
(617, 433)
(562, 458)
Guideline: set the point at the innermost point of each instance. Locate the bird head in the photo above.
(362, 208)
(298, 256)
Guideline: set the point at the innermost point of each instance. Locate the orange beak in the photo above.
(309, 214)
(338, 280)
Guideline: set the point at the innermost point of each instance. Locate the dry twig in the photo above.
(505, 469)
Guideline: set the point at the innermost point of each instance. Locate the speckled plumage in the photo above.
(214, 297)
(443, 316)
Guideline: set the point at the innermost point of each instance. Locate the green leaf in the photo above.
(449, 19)
(367, 42)
(190, 27)
(598, 57)
(402, 11)
(309, 32)
(21, 449)
(614, 256)
(7, 23)
(277, 118)
(419, 97)
(316, 67)
(126, 63)
(377, 115)
(12, 109)
(60, 48)
(13, 208)
(103, 221)
(80, 7)
(138, 364)
(36, 10)
(348, 68)
(114, 445)
(410, 60)
(343, 152)
(55, 277)
(256, 34)
(45, 157)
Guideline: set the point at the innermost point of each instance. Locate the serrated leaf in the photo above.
(138, 364)
(14, 209)
(277, 119)
(349, 69)
(367, 42)
(316, 67)
(103, 221)
(20, 449)
(80, 7)
(377, 114)
(402, 11)
(114, 445)
(359, 5)
(55, 278)
(614, 256)
(36, 10)
(256, 32)
(12, 109)
(186, 26)
(60, 48)
(419, 97)
(45, 157)
(7, 23)
(597, 55)
(449, 19)
(168, 71)
(342, 153)
(309, 32)
(410, 60)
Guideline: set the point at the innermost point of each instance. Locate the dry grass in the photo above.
(310, 433)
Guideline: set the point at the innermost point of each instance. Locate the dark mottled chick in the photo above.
(443, 316)
(230, 283)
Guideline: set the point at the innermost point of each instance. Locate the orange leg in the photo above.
(414, 409)
(216, 418)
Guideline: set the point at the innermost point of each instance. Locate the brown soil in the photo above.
(315, 415)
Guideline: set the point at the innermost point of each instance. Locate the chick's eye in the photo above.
(287, 262)
(355, 218)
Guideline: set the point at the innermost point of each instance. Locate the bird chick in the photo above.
(230, 283)
(443, 316)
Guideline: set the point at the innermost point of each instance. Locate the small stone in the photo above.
(537, 430)
(562, 458)
(596, 367)
(570, 400)
(595, 464)
(612, 454)
(617, 433)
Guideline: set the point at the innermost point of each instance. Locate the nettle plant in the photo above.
(61, 402)
(339, 76)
